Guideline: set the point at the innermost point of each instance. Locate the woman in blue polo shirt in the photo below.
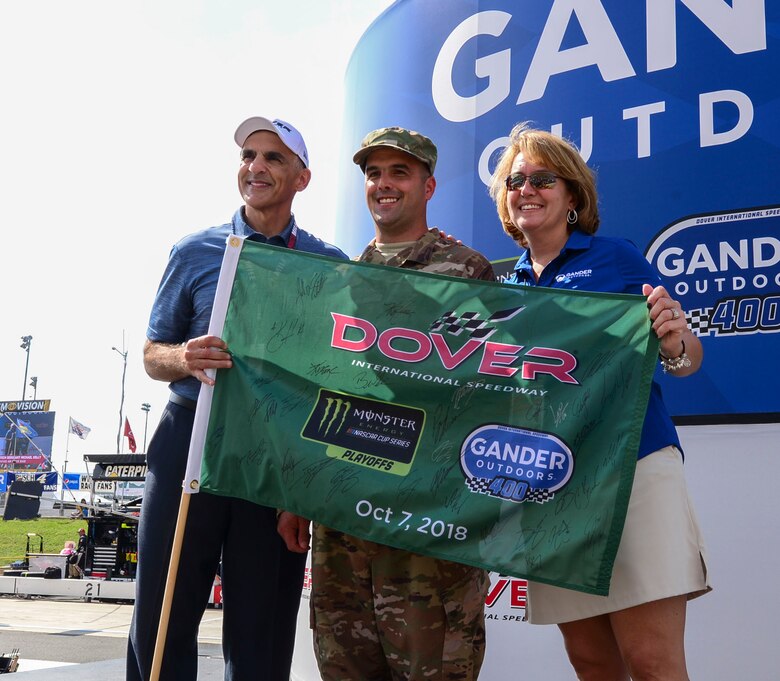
(546, 199)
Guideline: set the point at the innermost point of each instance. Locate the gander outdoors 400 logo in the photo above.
(515, 464)
(725, 270)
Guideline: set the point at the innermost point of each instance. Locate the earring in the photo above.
(572, 217)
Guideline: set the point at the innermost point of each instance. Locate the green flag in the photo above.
(473, 421)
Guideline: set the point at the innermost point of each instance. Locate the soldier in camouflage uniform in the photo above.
(381, 613)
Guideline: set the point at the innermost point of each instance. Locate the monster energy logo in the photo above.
(379, 435)
(337, 404)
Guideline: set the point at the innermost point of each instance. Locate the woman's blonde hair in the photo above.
(560, 157)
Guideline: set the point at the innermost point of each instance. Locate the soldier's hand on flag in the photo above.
(294, 530)
(206, 352)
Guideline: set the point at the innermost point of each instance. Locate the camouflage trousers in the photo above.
(383, 614)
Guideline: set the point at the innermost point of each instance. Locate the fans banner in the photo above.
(473, 421)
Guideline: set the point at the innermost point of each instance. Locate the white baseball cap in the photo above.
(292, 139)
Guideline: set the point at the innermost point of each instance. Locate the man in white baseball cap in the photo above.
(261, 579)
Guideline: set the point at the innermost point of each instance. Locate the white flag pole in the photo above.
(191, 483)
(64, 470)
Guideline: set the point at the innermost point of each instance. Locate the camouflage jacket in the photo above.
(435, 254)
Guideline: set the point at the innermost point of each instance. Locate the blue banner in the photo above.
(49, 480)
(675, 106)
(71, 480)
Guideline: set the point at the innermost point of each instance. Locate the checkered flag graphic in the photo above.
(539, 496)
(469, 321)
(481, 486)
(699, 321)
(478, 485)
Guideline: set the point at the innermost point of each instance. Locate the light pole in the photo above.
(123, 354)
(26, 343)
(34, 386)
(145, 407)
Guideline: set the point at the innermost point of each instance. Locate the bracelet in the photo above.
(675, 363)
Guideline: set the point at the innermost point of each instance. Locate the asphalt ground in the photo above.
(61, 639)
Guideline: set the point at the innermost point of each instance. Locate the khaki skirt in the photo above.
(661, 552)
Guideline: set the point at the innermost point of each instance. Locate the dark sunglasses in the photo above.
(537, 180)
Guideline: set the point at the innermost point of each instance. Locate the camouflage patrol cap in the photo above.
(411, 142)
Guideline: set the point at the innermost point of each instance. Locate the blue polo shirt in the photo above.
(607, 265)
(182, 306)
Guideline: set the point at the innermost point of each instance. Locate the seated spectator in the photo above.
(81, 511)
(77, 559)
